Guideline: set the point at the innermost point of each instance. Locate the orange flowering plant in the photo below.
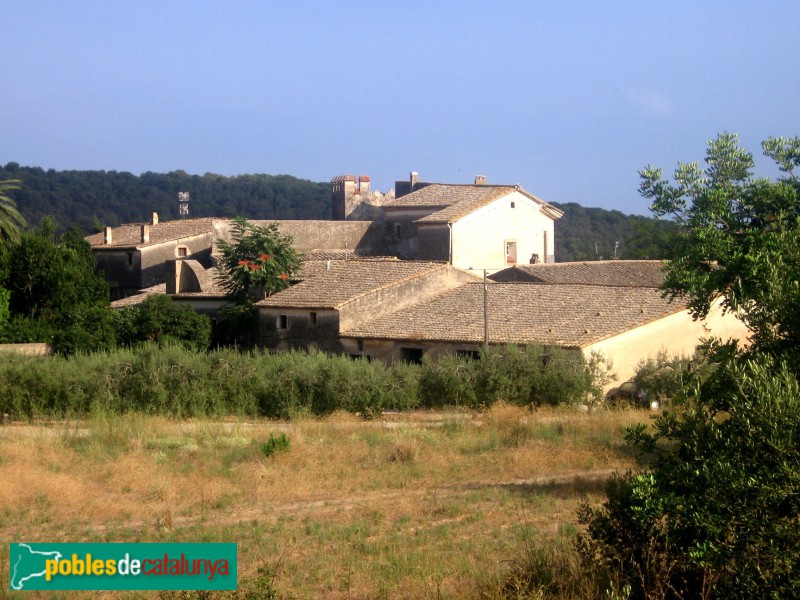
(257, 260)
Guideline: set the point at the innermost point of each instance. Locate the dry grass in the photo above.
(420, 505)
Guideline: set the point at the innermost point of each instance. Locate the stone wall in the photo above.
(363, 237)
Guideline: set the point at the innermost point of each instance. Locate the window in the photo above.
(513, 204)
(473, 354)
(511, 253)
(183, 252)
(360, 344)
(130, 259)
(313, 317)
(411, 355)
(283, 321)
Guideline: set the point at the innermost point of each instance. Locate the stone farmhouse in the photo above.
(400, 277)
(473, 227)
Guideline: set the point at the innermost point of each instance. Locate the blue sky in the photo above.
(569, 99)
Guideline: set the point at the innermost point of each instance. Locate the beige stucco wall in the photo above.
(676, 334)
(479, 238)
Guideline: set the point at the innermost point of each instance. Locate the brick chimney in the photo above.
(154, 219)
(480, 179)
(145, 233)
(107, 238)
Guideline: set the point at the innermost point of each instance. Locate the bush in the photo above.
(666, 377)
(159, 319)
(534, 376)
(717, 516)
(275, 444)
(166, 378)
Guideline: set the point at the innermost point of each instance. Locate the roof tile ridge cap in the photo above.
(434, 267)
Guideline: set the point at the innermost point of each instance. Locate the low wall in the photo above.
(29, 349)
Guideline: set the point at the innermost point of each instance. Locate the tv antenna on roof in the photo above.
(183, 204)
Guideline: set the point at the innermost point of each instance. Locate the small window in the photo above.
(473, 354)
(411, 355)
(183, 252)
(398, 232)
(130, 259)
(360, 344)
(511, 253)
(313, 317)
(513, 204)
(283, 321)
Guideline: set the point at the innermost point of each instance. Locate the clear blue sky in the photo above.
(569, 99)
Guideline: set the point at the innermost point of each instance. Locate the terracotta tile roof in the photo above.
(314, 267)
(347, 281)
(458, 200)
(571, 316)
(323, 255)
(140, 296)
(635, 273)
(130, 234)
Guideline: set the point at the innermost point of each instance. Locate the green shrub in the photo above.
(172, 380)
(717, 515)
(666, 377)
(275, 444)
(448, 381)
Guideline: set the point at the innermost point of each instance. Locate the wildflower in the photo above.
(264, 257)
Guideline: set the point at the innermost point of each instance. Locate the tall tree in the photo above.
(716, 516)
(11, 221)
(741, 236)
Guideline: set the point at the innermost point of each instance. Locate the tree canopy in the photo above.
(716, 514)
(54, 294)
(259, 260)
(740, 236)
(11, 221)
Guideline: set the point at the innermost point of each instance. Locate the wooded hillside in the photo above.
(90, 200)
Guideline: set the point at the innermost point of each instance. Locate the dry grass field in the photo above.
(418, 505)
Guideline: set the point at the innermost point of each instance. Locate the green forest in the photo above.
(90, 200)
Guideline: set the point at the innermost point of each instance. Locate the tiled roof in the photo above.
(130, 234)
(315, 267)
(339, 255)
(140, 296)
(571, 316)
(636, 273)
(347, 281)
(456, 201)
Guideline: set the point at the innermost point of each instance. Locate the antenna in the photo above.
(183, 204)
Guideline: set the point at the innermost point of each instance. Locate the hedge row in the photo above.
(176, 382)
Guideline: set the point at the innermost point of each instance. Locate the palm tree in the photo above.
(11, 221)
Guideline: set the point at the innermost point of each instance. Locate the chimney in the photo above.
(107, 239)
(145, 233)
(414, 179)
(363, 184)
(480, 179)
(154, 219)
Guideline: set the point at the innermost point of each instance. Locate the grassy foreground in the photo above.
(421, 505)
